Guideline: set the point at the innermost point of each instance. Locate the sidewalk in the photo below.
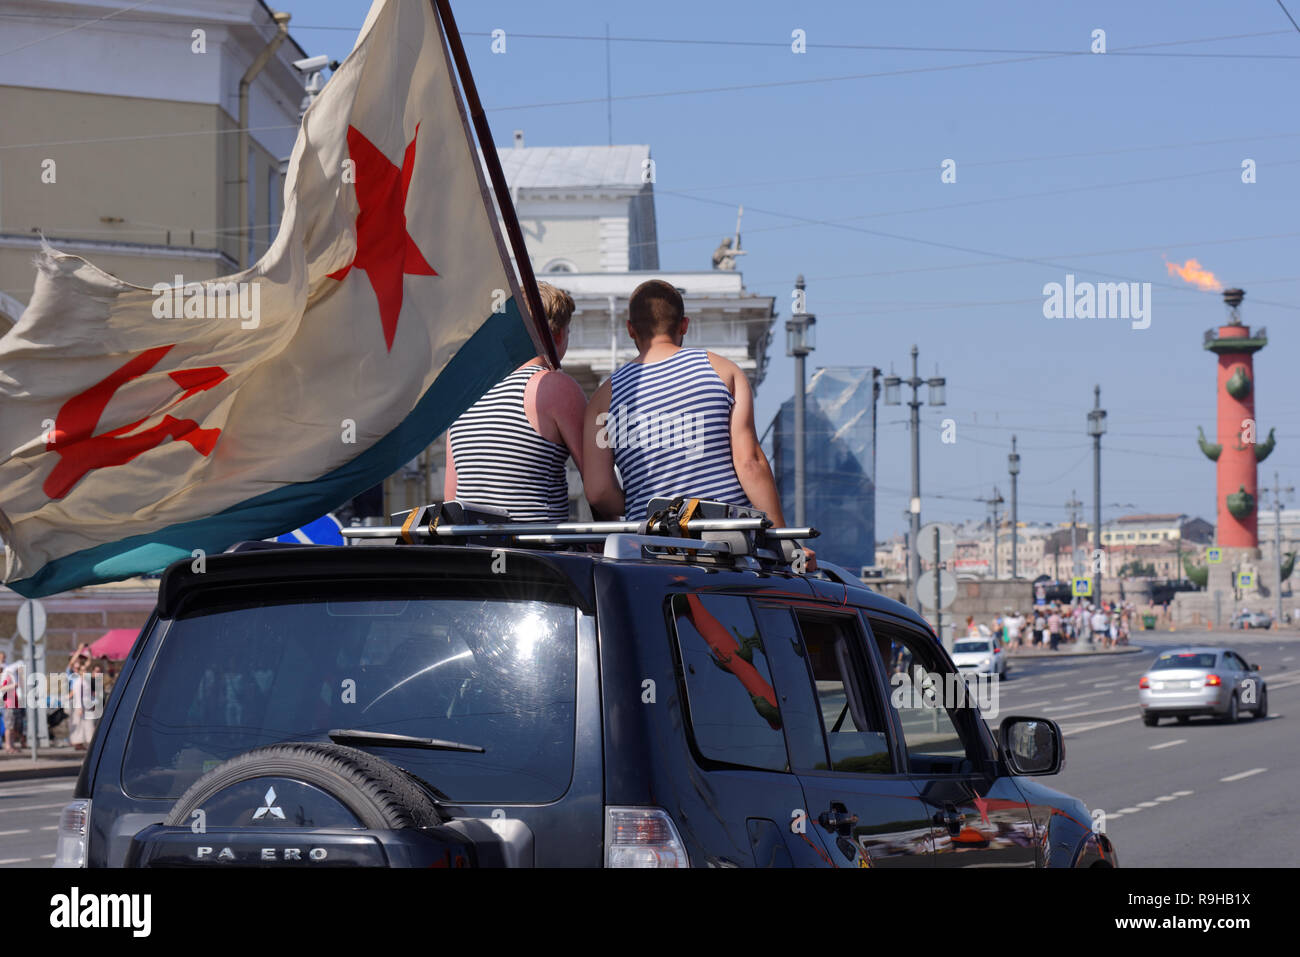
(49, 763)
(1071, 651)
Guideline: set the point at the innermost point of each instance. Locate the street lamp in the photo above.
(1013, 466)
(1096, 428)
(799, 341)
(893, 396)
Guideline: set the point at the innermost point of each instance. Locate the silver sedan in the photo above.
(1184, 682)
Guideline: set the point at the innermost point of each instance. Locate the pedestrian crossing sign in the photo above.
(1082, 588)
(1214, 555)
(1245, 580)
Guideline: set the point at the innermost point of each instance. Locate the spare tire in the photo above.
(376, 794)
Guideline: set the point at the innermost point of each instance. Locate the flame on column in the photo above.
(1194, 273)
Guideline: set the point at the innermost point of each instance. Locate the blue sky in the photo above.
(1097, 165)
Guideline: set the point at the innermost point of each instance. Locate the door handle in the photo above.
(838, 819)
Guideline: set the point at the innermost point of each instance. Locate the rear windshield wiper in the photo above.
(382, 740)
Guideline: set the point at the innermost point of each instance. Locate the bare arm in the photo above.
(598, 478)
(565, 406)
(449, 477)
(747, 456)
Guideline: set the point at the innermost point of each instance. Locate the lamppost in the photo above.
(1013, 466)
(994, 502)
(1096, 428)
(1278, 492)
(937, 387)
(799, 341)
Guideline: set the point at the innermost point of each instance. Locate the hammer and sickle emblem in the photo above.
(81, 450)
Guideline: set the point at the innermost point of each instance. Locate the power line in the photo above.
(1288, 16)
(107, 16)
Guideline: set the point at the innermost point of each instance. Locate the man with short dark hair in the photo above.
(675, 421)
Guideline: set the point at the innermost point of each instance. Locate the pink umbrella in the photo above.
(114, 644)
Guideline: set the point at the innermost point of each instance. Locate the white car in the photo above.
(980, 655)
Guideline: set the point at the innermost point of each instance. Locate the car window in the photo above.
(852, 714)
(927, 697)
(731, 703)
(1237, 662)
(969, 647)
(1185, 659)
(800, 709)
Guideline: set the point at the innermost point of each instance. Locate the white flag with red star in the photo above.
(139, 425)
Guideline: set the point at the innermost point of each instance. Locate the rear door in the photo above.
(861, 805)
(976, 816)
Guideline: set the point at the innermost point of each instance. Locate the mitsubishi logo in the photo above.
(270, 807)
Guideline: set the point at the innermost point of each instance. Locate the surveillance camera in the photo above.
(311, 64)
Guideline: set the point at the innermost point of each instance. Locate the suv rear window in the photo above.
(499, 674)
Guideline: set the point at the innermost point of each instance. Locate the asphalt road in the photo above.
(29, 814)
(1201, 794)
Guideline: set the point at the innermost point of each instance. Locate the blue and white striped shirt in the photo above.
(669, 425)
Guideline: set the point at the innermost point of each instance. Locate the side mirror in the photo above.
(1031, 746)
(1254, 667)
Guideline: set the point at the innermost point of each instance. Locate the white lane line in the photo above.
(21, 830)
(1090, 694)
(33, 807)
(1167, 797)
(1085, 714)
(1129, 810)
(1167, 744)
(1105, 684)
(15, 860)
(1037, 688)
(46, 857)
(1147, 804)
(1183, 794)
(1098, 724)
(1244, 774)
(50, 827)
(1288, 658)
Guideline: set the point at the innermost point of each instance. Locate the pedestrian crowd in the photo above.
(87, 680)
(1050, 626)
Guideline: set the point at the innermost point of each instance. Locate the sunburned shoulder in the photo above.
(724, 367)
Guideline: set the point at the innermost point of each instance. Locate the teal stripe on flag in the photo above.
(499, 345)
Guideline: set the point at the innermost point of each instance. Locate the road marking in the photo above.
(1105, 684)
(1063, 684)
(1167, 744)
(1183, 794)
(1084, 714)
(46, 857)
(50, 827)
(15, 860)
(1129, 810)
(33, 807)
(1098, 724)
(1288, 657)
(1244, 774)
(21, 830)
(1148, 804)
(1167, 797)
(1090, 694)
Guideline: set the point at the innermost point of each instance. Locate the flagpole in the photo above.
(484, 133)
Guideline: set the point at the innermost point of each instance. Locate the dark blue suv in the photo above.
(675, 696)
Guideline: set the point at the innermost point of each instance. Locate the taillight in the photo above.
(642, 837)
(73, 835)
(1213, 681)
(1143, 682)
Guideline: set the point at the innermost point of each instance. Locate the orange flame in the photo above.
(1192, 271)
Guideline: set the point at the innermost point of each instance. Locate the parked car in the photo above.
(1252, 619)
(680, 698)
(979, 655)
(1186, 682)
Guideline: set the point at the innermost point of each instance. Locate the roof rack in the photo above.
(683, 529)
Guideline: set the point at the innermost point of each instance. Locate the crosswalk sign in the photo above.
(1214, 555)
(1082, 588)
(1245, 580)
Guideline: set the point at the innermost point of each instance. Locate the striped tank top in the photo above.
(501, 460)
(670, 428)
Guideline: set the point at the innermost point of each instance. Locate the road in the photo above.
(29, 814)
(1201, 794)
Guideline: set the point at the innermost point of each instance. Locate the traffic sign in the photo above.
(947, 589)
(1214, 555)
(1082, 588)
(326, 530)
(31, 620)
(1245, 580)
(925, 541)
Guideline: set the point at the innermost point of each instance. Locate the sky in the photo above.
(1102, 166)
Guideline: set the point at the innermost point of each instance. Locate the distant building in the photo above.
(1132, 530)
(839, 479)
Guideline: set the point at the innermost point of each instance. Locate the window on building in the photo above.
(559, 265)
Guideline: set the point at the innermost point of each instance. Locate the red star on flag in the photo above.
(385, 250)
